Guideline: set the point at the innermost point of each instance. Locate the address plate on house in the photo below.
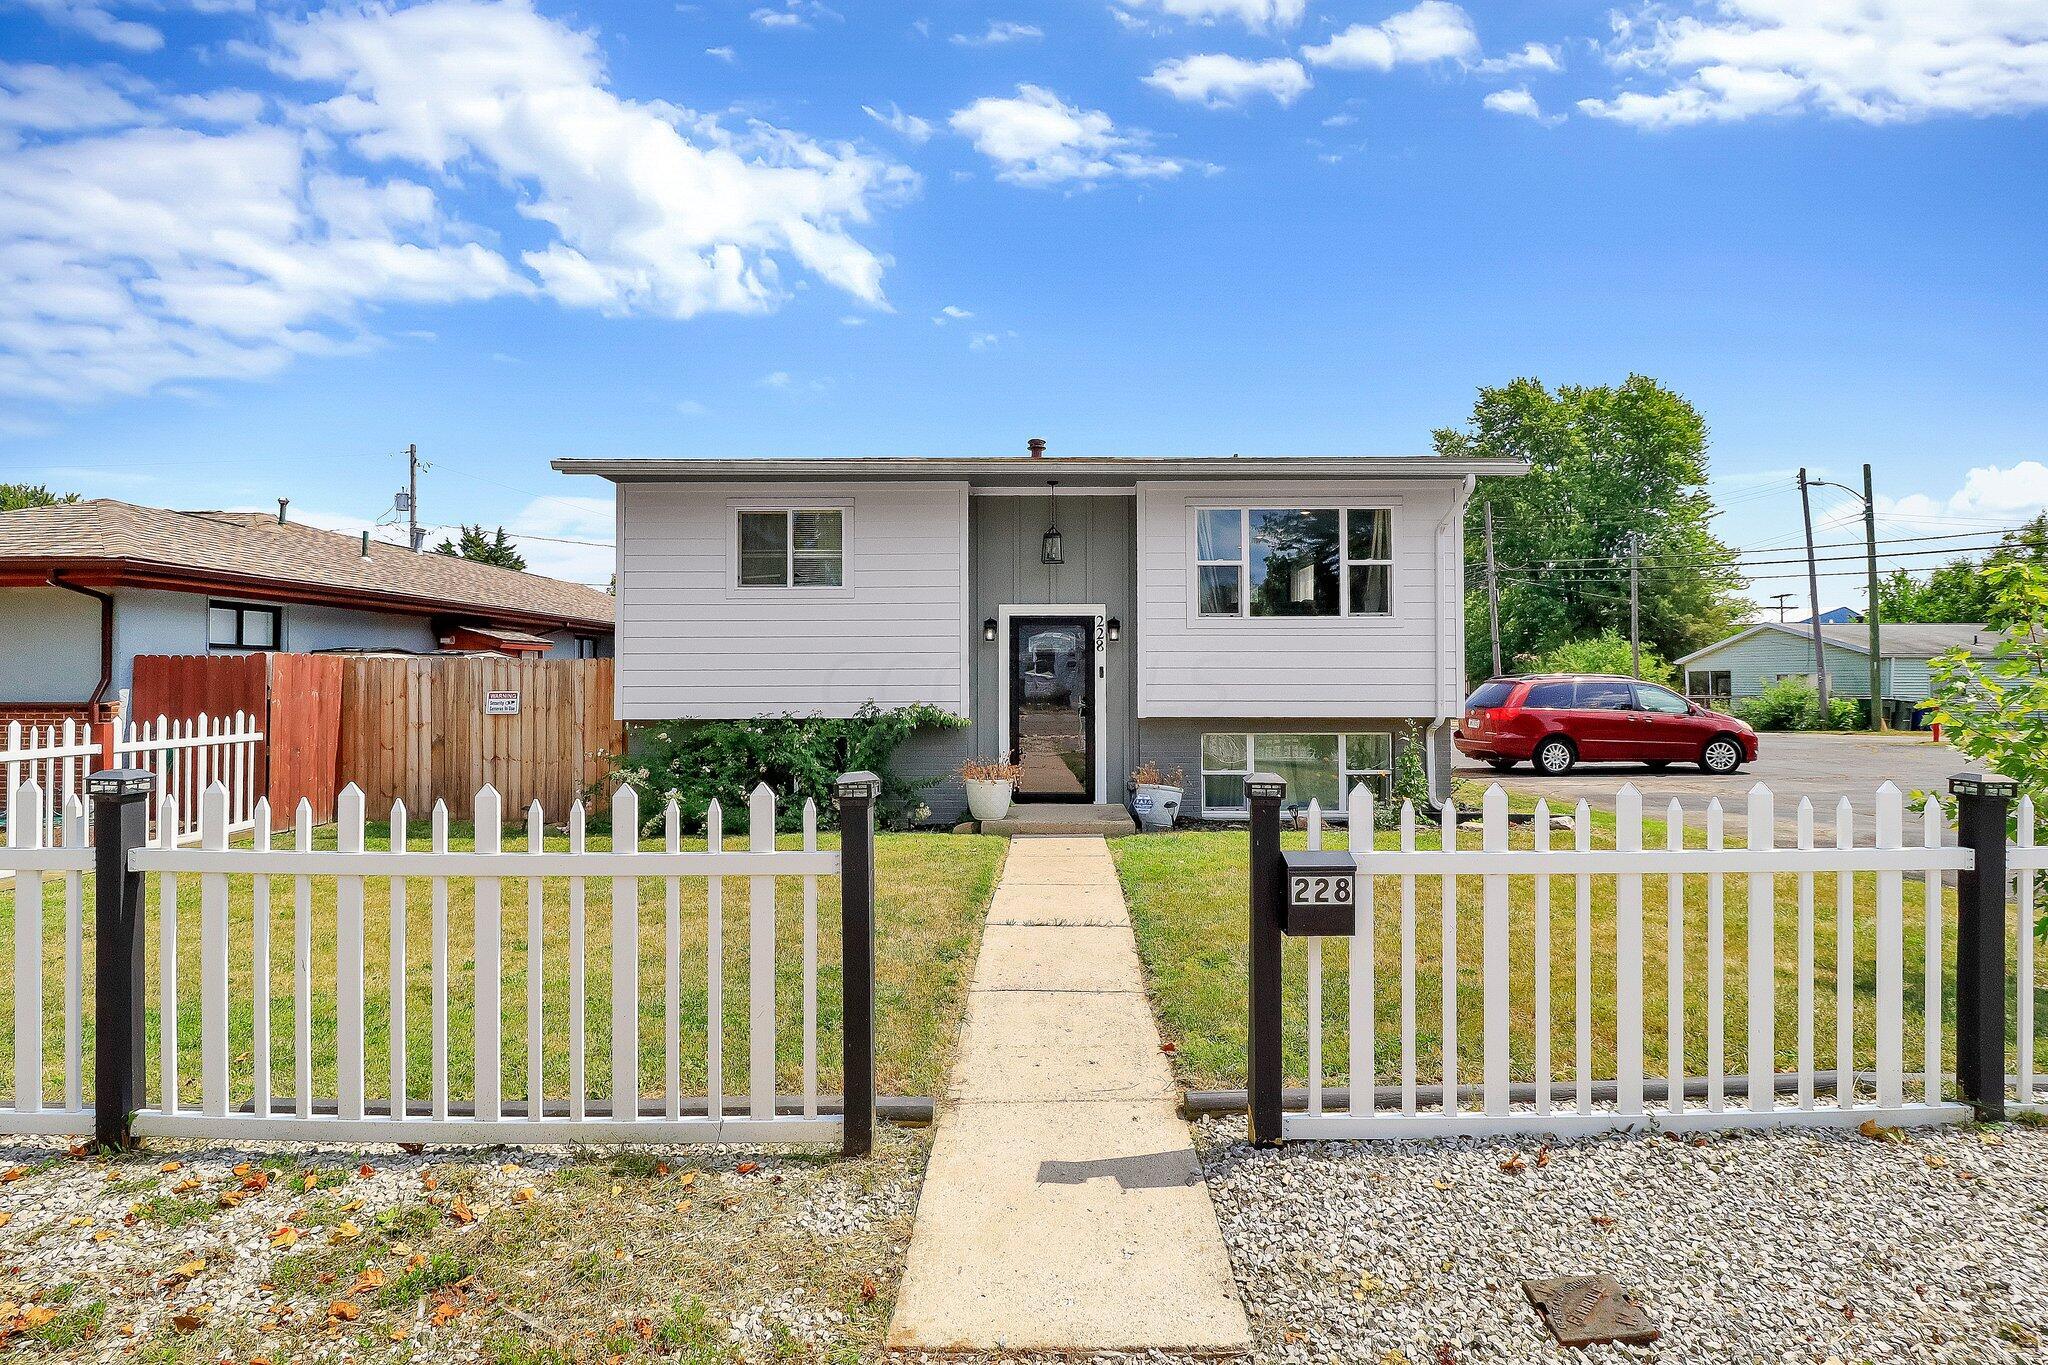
(501, 703)
(1322, 893)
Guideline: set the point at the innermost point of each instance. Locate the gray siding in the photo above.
(694, 645)
(1005, 537)
(1408, 663)
(49, 645)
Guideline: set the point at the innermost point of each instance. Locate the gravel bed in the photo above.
(1783, 1246)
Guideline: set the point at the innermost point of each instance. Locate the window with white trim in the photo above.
(1281, 561)
(1317, 767)
(793, 548)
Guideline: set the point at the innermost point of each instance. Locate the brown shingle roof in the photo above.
(256, 544)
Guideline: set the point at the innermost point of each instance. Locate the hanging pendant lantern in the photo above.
(1050, 549)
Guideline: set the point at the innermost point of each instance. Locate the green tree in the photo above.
(1960, 590)
(1607, 464)
(1606, 652)
(16, 496)
(484, 547)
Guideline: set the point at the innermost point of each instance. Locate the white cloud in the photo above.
(1035, 138)
(1258, 15)
(96, 19)
(1518, 102)
(1990, 498)
(987, 341)
(1221, 81)
(653, 208)
(1879, 61)
(1529, 57)
(793, 14)
(150, 238)
(999, 32)
(776, 379)
(951, 313)
(541, 527)
(1434, 30)
(724, 54)
(909, 127)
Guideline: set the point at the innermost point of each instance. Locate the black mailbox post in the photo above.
(1320, 898)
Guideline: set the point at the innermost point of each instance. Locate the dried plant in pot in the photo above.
(990, 782)
(1156, 795)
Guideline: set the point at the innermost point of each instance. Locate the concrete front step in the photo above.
(1057, 817)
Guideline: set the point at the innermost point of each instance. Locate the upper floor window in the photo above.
(1278, 561)
(239, 625)
(800, 548)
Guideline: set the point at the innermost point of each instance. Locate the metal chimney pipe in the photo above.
(1036, 445)
(366, 545)
(282, 503)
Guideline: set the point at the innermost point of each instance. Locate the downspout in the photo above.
(106, 601)
(1436, 724)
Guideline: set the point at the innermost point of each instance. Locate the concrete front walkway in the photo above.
(1063, 1209)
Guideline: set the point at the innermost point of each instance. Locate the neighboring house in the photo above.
(1747, 662)
(1219, 616)
(1837, 616)
(85, 587)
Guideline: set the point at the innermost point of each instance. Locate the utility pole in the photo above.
(1492, 593)
(1635, 632)
(1781, 598)
(1870, 566)
(412, 497)
(1820, 655)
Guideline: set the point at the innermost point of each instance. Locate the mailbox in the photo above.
(1321, 895)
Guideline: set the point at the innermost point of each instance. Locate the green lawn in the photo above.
(931, 891)
(1187, 897)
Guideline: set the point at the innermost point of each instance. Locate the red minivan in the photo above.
(1556, 721)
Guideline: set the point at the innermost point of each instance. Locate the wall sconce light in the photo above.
(1050, 549)
(988, 629)
(1116, 629)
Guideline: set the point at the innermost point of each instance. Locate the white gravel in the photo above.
(1784, 1246)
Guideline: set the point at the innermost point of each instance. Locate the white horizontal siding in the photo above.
(1397, 666)
(693, 645)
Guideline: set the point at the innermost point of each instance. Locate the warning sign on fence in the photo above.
(501, 703)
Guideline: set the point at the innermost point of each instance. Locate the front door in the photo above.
(1052, 707)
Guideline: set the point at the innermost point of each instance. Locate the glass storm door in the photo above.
(1052, 707)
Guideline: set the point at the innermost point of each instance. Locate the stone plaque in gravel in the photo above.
(1589, 1310)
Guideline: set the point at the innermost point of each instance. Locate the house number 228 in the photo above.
(1319, 889)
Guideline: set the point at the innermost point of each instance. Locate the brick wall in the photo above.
(55, 712)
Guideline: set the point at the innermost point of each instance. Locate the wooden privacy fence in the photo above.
(412, 728)
(294, 699)
(1573, 1057)
(337, 1090)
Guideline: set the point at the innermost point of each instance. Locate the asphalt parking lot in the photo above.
(1821, 767)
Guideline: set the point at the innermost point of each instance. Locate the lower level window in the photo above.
(1317, 767)
(236, 625)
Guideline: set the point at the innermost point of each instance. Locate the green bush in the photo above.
(695, 761)
(1793, 704)
(1409, 780)
(1606, 652)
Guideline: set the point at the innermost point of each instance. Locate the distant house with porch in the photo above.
(86, 587)
(1750, 660)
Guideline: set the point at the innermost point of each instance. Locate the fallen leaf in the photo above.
(242, 1168)
(366, 1170)
(444, 1313)
(309, 1180)
(102, 1235)
(372, 1278)
(186, 1323)
(868, 1289)
(398, 1334)
(189, 1270)
(5, 1219)
(748, 1167)
(509, 1168)
(682, 1206)
(77, 1220)
(284, 1236)
(412, 1148)
(661, 1168)
(352, 1206)
(12, 1174)
(79, 1151)
(1169, 1048)
(459, 1211)
(341, 1310)
(346, 1232)
(170, 1166)
(259, 1182)
(36, 1314)
(1515, 1164)
(1936, 1159)
(1603, 1220)
(687, 1179)
(185, 1186)
(428, 1182)
(524, 1194)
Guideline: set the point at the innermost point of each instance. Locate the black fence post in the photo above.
(854, 794)
(1982, 804)
(120, 824)
(1262, 1052)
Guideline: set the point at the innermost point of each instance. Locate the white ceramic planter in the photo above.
(987, 800)
(1156, 807)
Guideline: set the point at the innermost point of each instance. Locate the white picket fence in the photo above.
(184, 757)
(1564, 1096)
(2029, 1087)
(33, 858)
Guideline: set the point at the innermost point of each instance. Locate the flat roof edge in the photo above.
(1199, 467)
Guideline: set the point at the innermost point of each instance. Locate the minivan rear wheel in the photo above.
(1554, 757)
(1721, 756)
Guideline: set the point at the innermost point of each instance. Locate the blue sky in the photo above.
(252, 251)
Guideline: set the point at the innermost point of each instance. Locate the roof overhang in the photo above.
(1027, 472)
(35, 572)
